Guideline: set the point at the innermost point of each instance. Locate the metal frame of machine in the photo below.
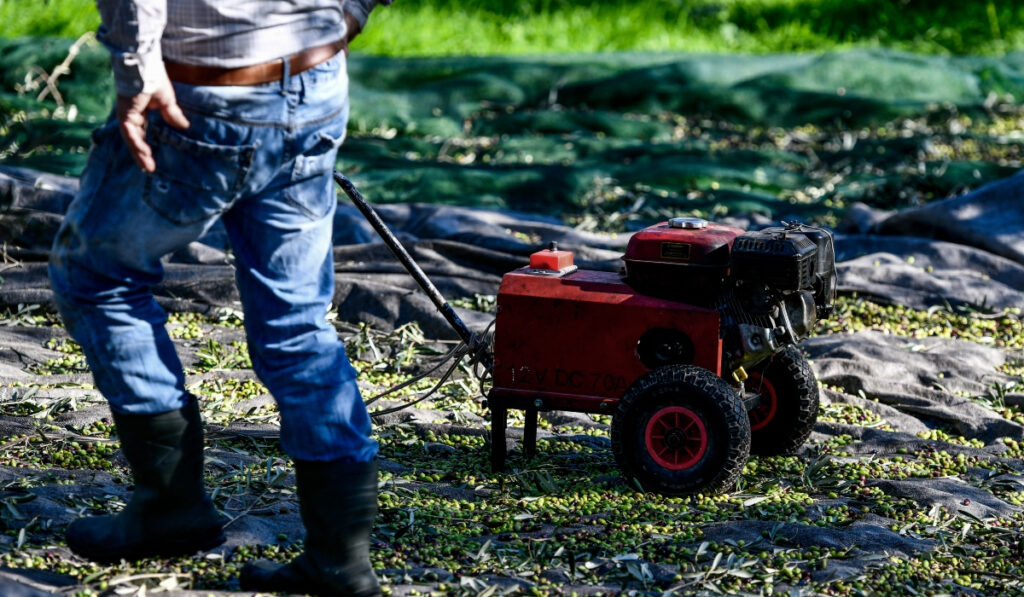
(691, 348)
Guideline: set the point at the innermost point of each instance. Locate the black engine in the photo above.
(782, 281)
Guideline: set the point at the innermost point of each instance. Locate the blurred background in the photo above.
(448, 27)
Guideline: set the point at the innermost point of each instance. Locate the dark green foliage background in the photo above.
(613, 141)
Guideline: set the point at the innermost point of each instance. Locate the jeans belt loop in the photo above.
(285, 73)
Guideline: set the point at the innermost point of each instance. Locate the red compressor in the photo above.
(690, 349)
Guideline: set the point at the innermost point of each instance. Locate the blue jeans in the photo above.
(259, 158)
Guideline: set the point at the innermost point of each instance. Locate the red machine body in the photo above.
(570, 342)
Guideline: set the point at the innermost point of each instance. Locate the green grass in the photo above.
(445, 27)
(61, 18)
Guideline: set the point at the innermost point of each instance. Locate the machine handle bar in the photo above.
(408, 262)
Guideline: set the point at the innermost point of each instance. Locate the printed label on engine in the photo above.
(568, 380)
(675, 250)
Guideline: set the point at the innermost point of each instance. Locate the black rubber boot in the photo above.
(338, 502)
(169, 513)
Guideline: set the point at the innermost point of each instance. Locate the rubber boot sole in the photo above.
(166, 548)
(264, 576)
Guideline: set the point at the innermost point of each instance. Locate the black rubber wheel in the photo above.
(789, 403)
(680, 430)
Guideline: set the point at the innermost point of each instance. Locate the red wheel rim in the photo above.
(765, 412)
(676, 438)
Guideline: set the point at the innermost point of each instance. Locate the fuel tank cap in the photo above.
(688, 223)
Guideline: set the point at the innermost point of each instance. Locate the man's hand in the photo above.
(131, 115)
(352, 29)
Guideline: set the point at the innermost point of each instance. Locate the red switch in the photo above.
(551, 258)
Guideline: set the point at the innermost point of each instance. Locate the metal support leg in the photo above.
(530, 434)
(499, 419)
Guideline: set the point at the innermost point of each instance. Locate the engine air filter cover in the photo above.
(781, 258)
(684, 259)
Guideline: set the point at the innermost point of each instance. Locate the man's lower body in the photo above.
(260, 159)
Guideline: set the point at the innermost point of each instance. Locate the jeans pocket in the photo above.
(104, 132)
(311, 189)
(194, 180)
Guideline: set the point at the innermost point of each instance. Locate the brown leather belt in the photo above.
(193, 74)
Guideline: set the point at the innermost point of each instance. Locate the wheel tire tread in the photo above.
(733, 411)
(792, 366)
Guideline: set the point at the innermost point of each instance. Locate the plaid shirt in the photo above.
(223, 33)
